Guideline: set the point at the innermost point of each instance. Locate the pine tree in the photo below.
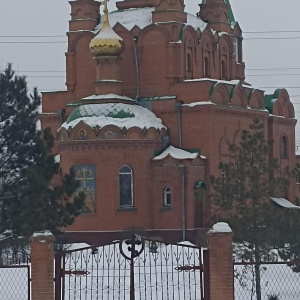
(242, 192)
(18, 119)
(29, 199)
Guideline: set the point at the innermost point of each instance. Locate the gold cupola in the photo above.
(106, 42)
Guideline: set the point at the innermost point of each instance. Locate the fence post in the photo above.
(220, 262)
(42, 261)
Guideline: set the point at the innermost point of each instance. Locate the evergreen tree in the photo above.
(18, 119)
(242, 192)
(29, 198)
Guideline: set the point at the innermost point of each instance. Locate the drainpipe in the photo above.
(178, 108)
(182, 173)
(137, 74)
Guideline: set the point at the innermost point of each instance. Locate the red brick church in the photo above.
(154, 98)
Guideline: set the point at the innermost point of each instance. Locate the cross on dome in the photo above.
(106, 42)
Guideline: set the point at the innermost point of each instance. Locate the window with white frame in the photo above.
(126, 186)
(167, 196)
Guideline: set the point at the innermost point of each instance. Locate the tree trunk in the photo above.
(257, 273)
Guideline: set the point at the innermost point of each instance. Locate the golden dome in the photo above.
(106, 42)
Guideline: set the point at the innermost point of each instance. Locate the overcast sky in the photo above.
(271, 53)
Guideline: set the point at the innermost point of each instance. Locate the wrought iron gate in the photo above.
(132, 269)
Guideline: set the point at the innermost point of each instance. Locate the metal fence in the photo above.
(277, 279)
(14, 269)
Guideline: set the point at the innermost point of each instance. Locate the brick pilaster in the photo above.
(220, 262)
(42, 265)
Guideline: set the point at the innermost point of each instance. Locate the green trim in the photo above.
(212, 88)
(74, 104)
(232, 91)
(200, 185)
(270, 100)
(193, 150)
(75, 114)
(251, 93)
(155, 98)
(230, 13)
(121, 114)
(158, 152)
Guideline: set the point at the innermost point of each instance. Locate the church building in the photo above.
(154, 97)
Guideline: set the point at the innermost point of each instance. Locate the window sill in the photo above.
(166, 208)
(122, 209)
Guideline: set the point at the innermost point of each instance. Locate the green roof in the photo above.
(230, 13)
(112, 110)
(200, 185)
(231, 18)
(270, 99)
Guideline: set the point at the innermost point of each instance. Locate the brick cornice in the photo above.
(108, 145)
(282, 121)
(225, 110)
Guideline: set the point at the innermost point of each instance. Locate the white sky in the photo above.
(278, 52)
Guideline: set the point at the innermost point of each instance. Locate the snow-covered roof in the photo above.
(107, 97)
(193, 104)
(176, 153)
(195, 22)
(142, 17)
(231, 82)
(107, 32)
(284, 203)
(118, 114)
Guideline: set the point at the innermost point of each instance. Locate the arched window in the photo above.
(126, 186)
(223, 70)
(167, 196)
(189, 67)
(206, 67)
(283, 147)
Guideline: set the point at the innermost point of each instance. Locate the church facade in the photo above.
(154, 98)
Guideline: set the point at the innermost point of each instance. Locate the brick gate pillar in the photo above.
(42, 262)
(220, 262)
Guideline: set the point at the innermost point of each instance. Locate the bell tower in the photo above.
(84, 15)
(218, 14)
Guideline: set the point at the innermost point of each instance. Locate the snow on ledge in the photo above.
(44, 233)
(284, 203)
(186, 243)
(176, 153)
(221, 227)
